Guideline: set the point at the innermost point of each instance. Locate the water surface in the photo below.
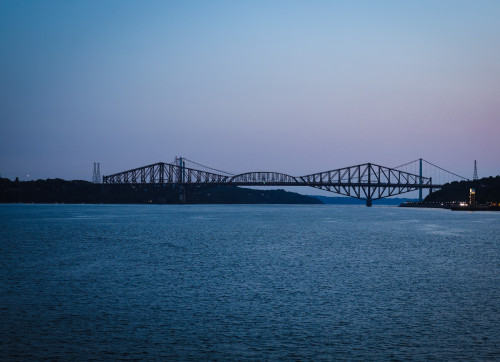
(237, 282)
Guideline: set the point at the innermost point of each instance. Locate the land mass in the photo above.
(455, 195)
(339, 200)
(487, 191)
(77, 192)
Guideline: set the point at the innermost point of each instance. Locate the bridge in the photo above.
(366, 181)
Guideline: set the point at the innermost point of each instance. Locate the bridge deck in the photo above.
(366, 181)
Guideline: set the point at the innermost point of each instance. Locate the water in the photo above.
(248, 282)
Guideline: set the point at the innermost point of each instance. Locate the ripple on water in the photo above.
(248, 282)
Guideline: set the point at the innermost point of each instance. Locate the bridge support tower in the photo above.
(420, 183)
(369, 196)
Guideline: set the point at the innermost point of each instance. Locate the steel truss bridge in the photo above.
(366, 181)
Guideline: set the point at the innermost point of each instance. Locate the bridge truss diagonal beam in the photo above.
(365, 181)
(165, 173)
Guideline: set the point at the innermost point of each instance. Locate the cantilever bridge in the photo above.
(366, 181)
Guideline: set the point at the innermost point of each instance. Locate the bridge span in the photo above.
(366, 181)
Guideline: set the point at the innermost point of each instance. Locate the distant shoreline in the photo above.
(450, 206)
(57, 191)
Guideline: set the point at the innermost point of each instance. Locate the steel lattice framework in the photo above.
(367, 181)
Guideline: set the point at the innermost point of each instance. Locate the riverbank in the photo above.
(454, 206)
(52, 191)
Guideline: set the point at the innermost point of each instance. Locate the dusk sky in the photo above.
(290, 86)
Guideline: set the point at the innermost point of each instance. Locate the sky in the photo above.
(290, 86)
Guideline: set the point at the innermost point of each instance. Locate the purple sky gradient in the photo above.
(295, 87)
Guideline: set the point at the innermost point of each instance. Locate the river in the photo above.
(248, 282)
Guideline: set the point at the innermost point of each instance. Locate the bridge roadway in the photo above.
(365, 181)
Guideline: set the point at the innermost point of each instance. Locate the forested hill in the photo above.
(76, 192)
(487, 190)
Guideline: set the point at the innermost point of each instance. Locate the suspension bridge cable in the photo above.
(209, 168)
(454, 174)
(407, 163)
(430, 163)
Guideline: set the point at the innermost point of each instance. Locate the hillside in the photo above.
(487, 190)
(72, 192)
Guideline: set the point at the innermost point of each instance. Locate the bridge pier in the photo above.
(182, 194)
(369, 202)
